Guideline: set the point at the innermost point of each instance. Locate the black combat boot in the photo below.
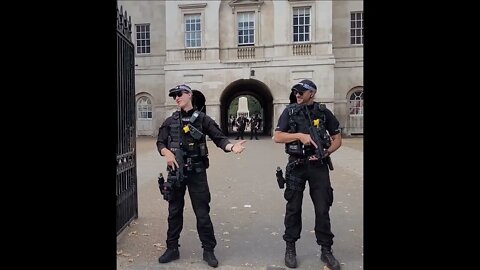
(169, 255)
(209, 257)
(290, 255)
(328, 258)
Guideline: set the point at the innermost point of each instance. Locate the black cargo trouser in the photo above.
(321, 193)
(254, 132)
(200, 197)
(241, 132)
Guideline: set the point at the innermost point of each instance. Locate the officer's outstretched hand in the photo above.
(238, 147)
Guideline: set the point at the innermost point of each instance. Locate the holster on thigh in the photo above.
(293, 181)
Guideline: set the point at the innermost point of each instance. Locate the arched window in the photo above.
(356, 102)
(144, 108)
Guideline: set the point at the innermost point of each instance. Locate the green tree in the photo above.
(232, 110)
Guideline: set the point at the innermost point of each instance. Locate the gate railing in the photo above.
(126, 180)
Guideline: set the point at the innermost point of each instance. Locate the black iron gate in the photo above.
(126, 182)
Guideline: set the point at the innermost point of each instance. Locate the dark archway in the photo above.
(198, 101)
(253, 88)
(293, 98)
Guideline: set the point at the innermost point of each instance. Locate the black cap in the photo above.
(305, 85)
(181, 87)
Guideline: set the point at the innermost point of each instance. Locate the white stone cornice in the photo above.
(245, 3)
(192, 6)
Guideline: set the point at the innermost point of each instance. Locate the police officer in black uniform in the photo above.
(303, 165)
(242, 124)
(254, 126)
(186, 130)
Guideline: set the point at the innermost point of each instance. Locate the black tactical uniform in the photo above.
(242, 123)
(254, 127)
(299, 170)
(172, 135)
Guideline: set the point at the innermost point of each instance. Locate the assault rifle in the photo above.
(323, 142)
(176, 176)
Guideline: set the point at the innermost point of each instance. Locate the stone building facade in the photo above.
(232, 48)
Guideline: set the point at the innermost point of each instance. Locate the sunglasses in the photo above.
(295, 92)
(177, 94)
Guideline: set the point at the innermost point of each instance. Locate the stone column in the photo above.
(213, 110)
(278, 107)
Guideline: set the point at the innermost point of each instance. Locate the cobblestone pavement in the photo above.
(247, 212)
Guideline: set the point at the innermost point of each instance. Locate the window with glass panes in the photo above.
(356, 27)
(246, 28)
(356, 102)
(143, 38)
(301, 24)
(193, 33)
(144, 108)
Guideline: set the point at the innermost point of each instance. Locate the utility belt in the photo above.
(303, 160)
(194, 165)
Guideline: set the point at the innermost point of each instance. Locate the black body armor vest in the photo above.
(299, 123)
(195, 150)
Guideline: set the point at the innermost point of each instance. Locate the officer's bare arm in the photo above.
(336, 143)
(285, 137)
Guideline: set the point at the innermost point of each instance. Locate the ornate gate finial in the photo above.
(124, 23)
